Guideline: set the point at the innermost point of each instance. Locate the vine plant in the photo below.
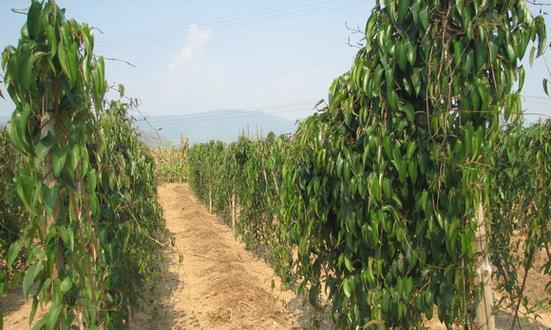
(87, 184)
(382, 194)
(12, 217)
(250, 171)
(520, 205)
(56, 83)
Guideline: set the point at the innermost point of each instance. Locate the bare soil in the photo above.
(210, 281)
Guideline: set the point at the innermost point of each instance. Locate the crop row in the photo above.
(397, 197)
(86, 227)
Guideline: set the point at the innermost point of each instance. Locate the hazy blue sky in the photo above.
(196, 56)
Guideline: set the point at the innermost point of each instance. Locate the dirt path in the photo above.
(210, 281)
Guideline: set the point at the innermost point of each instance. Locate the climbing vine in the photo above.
(520, 212)
(243, 179)
(130, 227)
(12, 217)
(86, 182)
(389, 182)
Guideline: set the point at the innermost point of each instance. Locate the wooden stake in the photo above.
(484, 313)
(210, 200)
(233, 215)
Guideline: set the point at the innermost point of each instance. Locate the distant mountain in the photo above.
(225, 125)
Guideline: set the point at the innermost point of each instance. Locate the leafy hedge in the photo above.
(12, 217)
(521, 211)
(384, 197)
(253, 170)
(250, 170)
(131, 228)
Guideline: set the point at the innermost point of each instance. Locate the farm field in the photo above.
(217, 283)
(416, 195)
(210, 281)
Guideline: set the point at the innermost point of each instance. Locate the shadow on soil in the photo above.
(504, 321)
(12, 301)
(158, 311)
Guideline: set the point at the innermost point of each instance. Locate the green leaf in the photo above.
(44, 146)
(409, 111)
(41, 323)
(402, 50)
(59, 157)
(25, 186)
(13, 252)
(424, 17)
(412, 170)
(387, 188)
(34, 19)
(92, 180)
(346, 287)
(541, 32)
(511, 56)
(348, 264)
(403, 6)
(64, 61)
(66, 284)
(52, 40)
(375, 189)
(545, 86)
(18, 131)
(26, 71)
(30, 276)
(49, 196)
(53, 315)
(75, 157)
(532, 55)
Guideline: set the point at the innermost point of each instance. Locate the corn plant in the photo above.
(171, 162)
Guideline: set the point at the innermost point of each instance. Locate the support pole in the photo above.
(233, 211)
(210, 200)
(484, 313)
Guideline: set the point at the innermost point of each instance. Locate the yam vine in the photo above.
(385, 195)
(402, 154)
(417, 188)
(86, 182)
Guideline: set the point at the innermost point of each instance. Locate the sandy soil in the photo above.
(209, 281)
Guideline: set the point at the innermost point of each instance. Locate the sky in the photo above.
(197, 56)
